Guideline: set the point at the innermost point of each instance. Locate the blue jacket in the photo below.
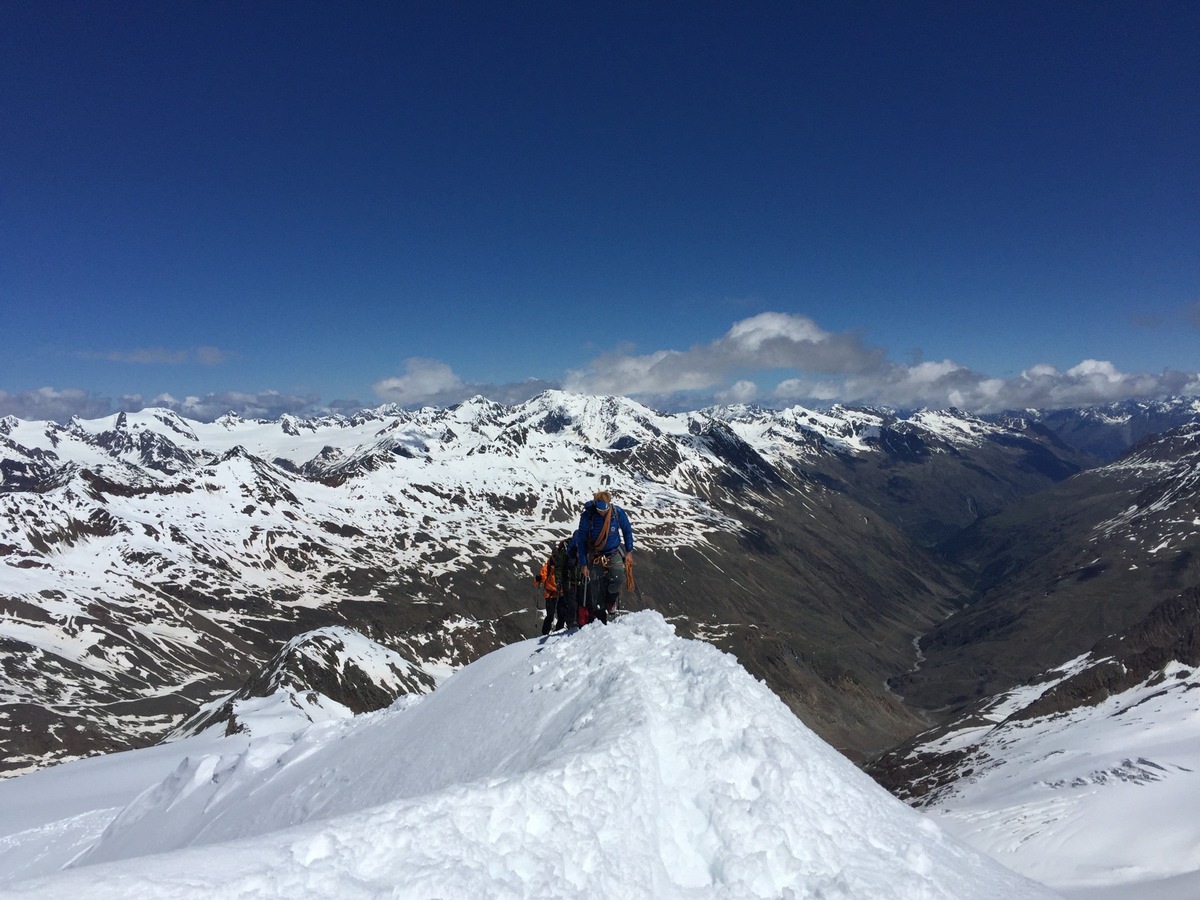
(590, 525)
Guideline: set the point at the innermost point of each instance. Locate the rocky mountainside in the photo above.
(150, 564)
(1156, 657)
(931, 473)
(1064, 568)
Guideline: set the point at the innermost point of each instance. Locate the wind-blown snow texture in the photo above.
(1099, 801)
(615, 762)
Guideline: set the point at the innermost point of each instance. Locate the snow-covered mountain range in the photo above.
(150, 563)
(236, 579)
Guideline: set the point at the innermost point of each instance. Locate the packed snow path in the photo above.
(614, 762)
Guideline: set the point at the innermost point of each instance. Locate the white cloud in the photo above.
(161, 356)
(249, 405)
(54, 404)
(422, 379)
(751, 334)
(210, 356)
(831, 367)
(807, 364)
(743, 391)
(766, 341)
(1091, 383)
(432, 382)
(60, 405)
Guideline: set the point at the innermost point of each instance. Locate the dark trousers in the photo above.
(604, 586)
(564, 608)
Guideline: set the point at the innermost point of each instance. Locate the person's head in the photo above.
(602, 498)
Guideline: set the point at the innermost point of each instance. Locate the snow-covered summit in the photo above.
(616, 762)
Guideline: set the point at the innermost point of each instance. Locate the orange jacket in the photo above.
(547, 580)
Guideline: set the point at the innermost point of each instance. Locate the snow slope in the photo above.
(1099, 801)
(614, 762)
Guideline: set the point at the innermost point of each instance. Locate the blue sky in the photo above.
(281, 207)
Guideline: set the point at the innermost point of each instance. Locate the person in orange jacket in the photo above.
(549, 583)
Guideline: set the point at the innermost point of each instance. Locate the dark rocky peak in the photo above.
(76, 428)
(115, 441)
(1037, 430)
(176, 423)
(907, 443)
(554, 421)
(55, 433)
(334, 467)
(739, 412)
(1178, 444)
(345, 666)
(237, 452)
(120, 479)
(37, 472)
(477, 412)
(290, 425)
(156, 451)
(720, 440)
(261, 470)
(929, 764)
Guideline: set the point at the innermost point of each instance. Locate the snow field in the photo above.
(615, 762)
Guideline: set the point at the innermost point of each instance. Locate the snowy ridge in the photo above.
(616, 762)
(332, 672)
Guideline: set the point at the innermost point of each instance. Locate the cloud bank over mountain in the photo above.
(773, 358)
(841, 368)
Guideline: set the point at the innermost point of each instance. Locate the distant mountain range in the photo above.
(880, 571)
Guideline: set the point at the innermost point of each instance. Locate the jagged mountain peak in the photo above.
(603, 422)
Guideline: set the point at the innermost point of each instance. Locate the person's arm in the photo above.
(581, 541)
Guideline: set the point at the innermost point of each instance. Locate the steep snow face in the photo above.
(1091, 800)
(616, 762)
